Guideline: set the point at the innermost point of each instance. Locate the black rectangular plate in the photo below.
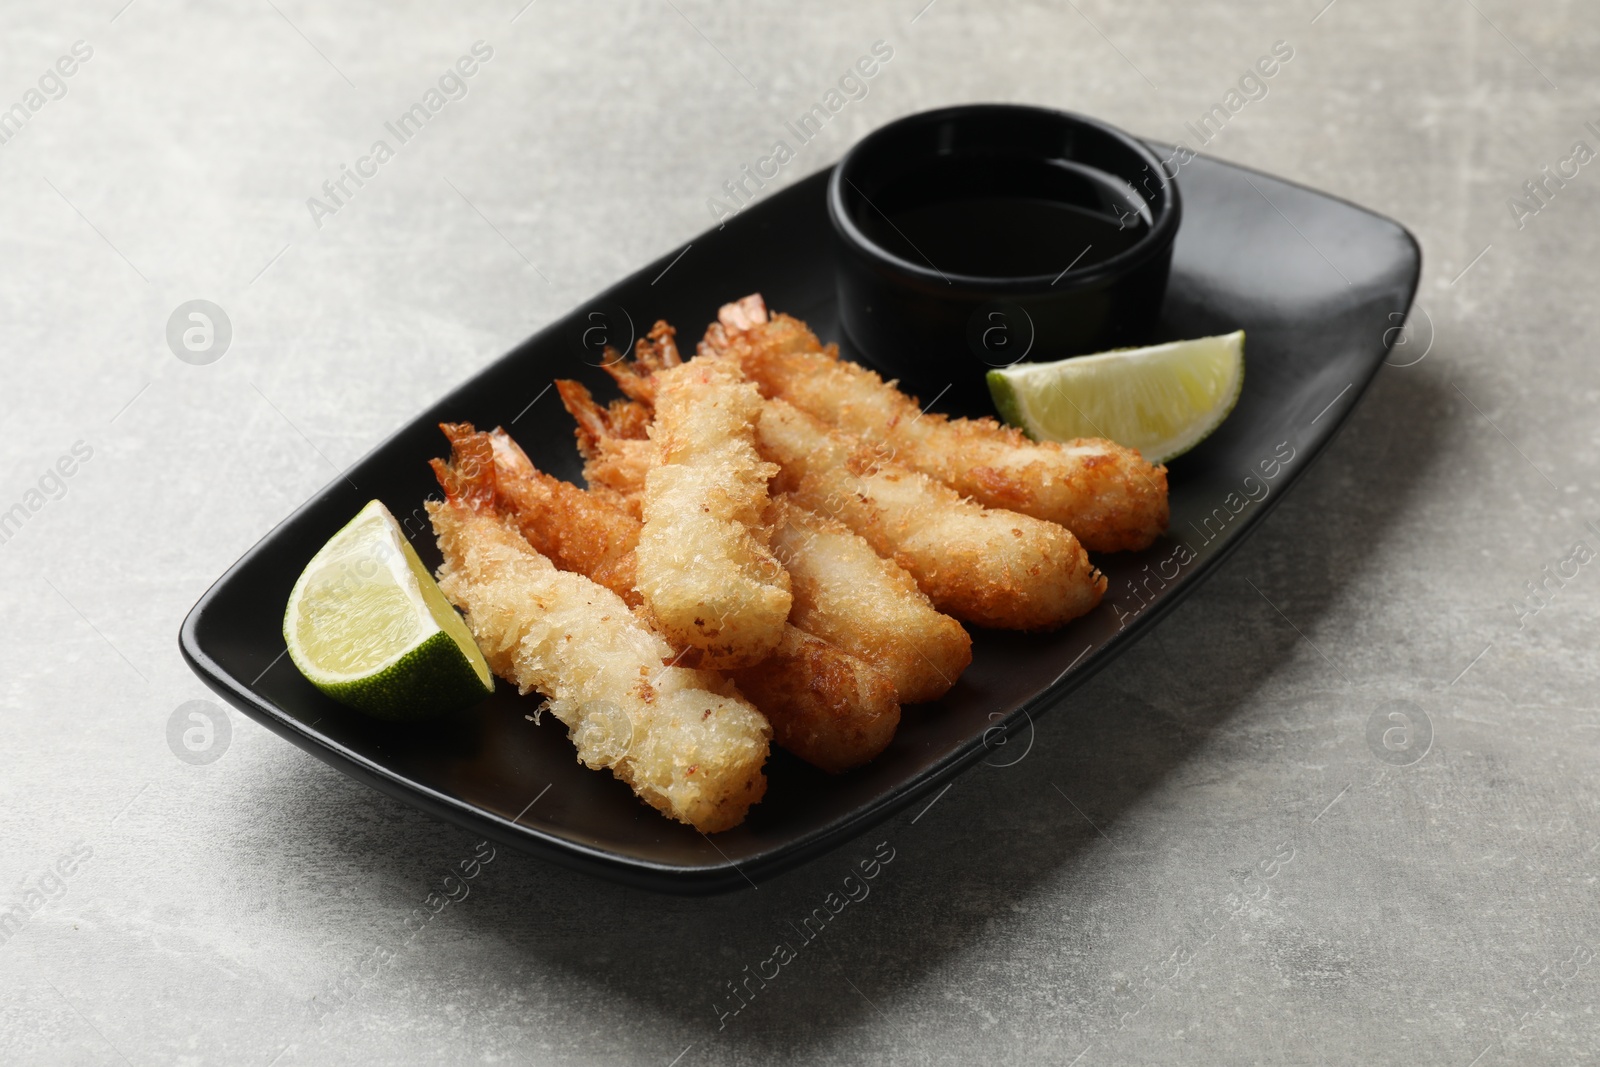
(1320, 286)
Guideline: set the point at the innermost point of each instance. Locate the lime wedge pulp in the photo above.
(1162, 400)
(367, 625)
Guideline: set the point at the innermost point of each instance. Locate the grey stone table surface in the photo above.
(1203, 858)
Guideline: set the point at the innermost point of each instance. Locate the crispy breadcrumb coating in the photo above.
(830, 708)
(684, 740)
(983, 565)
(1106, 494)
(844, 590)
(988, 566)
(705, 570)
(845, 593)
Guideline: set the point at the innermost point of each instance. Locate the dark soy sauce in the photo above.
(1004, 217)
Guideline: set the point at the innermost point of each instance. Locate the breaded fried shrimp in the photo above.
(562, 522)
(845, 593)
(684, 740)
(832, 709)
(983, 565)
(1106, 494)
(844, 590)
(705, 570)
(826, 706)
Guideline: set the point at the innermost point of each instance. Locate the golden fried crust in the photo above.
(686, 743)
(574, 530)
(845, 592)
(983, 565)
(578, 532)
(1107, 495)
(826, 706)
(866, 605)
(705, 570)
(996, 567)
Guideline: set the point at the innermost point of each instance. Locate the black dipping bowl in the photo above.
(934, 326)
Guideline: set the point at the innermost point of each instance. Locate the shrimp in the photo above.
(614, 440)
(615, 461)
(686, 742)
(983, 565)
(844, 590)
(1107, 495)
(828, 707)
(847, 594)
(705, 568)
(562, 522)
(832, 709)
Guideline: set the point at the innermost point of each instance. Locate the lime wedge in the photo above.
(1162, 400)
(367, 625)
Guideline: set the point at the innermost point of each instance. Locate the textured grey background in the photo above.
(1093, 901)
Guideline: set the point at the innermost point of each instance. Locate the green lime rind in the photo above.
(430, 680)
(1007, 404)
(367, 625)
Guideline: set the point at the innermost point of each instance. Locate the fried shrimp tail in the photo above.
(657, 351)
(562, 522)
(1106, 494)
(684, 740)
(705, 569)
(826, 706)
(983, 565)
(615, 459)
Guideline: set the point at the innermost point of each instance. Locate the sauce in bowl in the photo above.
(971, 237)
(1000, 216)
